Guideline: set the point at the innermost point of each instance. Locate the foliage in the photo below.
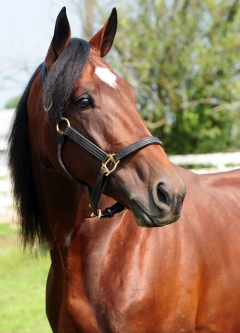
(23, 283)
(12, 103)
(182, 57)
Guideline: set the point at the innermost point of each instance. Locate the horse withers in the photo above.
(80, 154)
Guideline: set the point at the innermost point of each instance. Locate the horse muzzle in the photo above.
(163, 207)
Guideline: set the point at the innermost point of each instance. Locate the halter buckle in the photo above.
(110, 159)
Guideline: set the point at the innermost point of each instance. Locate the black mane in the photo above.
(57, 89)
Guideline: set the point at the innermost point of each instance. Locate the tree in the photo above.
(86, 10)
(183, 59)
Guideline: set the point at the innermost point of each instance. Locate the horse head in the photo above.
(76, 90)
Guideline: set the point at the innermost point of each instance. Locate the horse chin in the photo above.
(144, 219)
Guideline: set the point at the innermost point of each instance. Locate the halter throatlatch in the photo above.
(109, 165)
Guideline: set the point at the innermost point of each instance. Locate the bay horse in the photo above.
(78, 138)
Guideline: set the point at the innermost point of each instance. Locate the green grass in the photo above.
(22, 287)
(5, 230)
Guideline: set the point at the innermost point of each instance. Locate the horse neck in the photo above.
(62, 203)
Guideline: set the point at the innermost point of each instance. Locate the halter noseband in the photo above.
(109, 162)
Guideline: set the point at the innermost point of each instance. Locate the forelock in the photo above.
(63, 75)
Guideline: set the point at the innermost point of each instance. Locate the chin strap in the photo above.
(109, 165)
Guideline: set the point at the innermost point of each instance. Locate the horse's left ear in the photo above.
(102, 41)
(61, 38)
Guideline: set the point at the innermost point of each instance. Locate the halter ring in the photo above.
(63, 119)
(99, 215)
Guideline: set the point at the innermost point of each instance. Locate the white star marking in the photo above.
(106, 76)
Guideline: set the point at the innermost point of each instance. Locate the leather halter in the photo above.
(109, 162)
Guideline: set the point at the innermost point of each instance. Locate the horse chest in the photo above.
(124, 282)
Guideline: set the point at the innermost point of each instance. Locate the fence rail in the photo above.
(216, 162)
(5, 196)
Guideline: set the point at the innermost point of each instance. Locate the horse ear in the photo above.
(61, 38)
(102, 41)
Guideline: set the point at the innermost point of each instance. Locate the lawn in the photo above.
(22, 287)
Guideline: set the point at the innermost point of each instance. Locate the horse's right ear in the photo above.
(61, 38)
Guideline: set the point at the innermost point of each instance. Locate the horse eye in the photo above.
(84, 103)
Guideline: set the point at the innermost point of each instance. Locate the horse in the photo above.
(158, 258)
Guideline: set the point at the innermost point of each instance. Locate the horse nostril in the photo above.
(162, 194)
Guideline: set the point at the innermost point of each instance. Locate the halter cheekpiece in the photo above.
(109, 161)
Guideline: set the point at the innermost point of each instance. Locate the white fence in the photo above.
(216, 162)
(210, 162)
(5, 197)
